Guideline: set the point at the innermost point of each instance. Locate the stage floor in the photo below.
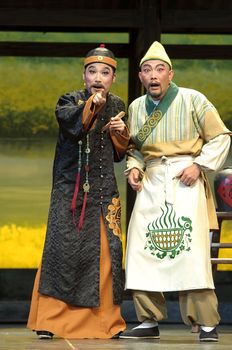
(172, 337)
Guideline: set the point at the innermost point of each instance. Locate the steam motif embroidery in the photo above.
(168, 236)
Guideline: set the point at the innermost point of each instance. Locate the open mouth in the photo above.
(154, 85)
(98, 87)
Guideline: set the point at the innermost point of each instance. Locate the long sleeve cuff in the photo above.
(90, 114)
(214, 153)
(120, 141)
(135, 160)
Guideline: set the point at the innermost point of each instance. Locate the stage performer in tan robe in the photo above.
(177, 136)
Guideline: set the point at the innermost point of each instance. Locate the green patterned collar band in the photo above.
(156, 115)
(150, 103)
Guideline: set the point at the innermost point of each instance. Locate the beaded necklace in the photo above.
(86, 185)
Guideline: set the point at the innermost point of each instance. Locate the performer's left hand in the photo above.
(116, 123)
(189, 175)
(134, 179)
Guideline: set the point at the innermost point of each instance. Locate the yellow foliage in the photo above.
(21, 247)
(226, 237)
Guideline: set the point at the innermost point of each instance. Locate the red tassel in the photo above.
(81, 221)
(75, 194)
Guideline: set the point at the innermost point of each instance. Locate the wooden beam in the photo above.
(224, 215)
(171, 20)
(151, 30)
(221, 261)
(52, 49)
(221, 245)
(199, 51)
(38, 49)
(100, 19)
(134, 90)
(197, 21)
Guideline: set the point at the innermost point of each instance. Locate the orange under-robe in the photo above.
(53, 315)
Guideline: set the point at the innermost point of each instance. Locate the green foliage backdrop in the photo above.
(31, 87)
(213, 79)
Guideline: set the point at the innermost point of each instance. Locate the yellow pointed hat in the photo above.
(156, 52)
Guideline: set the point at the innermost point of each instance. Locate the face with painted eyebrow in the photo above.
(156, 75)
(98, 77)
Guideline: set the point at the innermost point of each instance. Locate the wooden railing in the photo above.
(217, 244)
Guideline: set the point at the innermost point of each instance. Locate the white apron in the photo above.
(168, 244)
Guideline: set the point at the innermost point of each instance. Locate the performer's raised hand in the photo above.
(99, 98)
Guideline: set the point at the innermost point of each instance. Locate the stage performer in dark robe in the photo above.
(79, 285)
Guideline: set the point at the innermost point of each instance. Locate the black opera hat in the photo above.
(101, 55)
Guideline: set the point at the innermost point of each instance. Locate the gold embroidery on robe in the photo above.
(114, 217)
(80, 102)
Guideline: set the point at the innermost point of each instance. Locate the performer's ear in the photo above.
(171, 74)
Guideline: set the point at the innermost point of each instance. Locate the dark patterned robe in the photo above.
(70, 263)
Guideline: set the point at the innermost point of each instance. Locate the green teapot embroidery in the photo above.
(168, 236)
